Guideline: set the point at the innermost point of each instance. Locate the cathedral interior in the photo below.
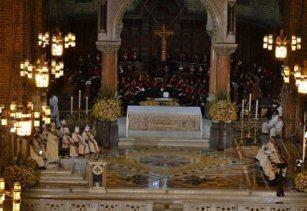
(152, 105)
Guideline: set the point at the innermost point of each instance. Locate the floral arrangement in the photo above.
(301, 181)
(28, 177)
(223, 111)
(157, 103)
(107, 106)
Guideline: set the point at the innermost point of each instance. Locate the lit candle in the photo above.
(250, 103)
(256, 112)
(79, 99)
(71, 105)
(242, 112)
(86, 105)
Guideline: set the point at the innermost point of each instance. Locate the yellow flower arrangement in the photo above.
(27, 176)
(301, 181)
(107, 106)
(223, 111)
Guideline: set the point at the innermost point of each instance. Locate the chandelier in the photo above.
(41, 71)
(281, 44)
(58, 42)
(23, 118)
(15, 194)
(287, 73)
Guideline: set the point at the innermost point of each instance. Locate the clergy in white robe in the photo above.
(277, 128)
(61, 130)
(266, 126)
(52, 149)
(83, 147)
(94, 148)
(36, 153)
(73, 146)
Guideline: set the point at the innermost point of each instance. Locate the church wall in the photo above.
(16, 36)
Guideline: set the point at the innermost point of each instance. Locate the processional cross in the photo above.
(164, 34)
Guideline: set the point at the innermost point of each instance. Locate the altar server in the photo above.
(83, 147)
(94, 148)
(61, 130)
(69, 142)
(266, 126)
(52, 150)
(36, 152)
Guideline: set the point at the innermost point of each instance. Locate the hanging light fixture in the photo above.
(23, 118)
(286, 74)
(41, 71)
(281, 44)
(58, 42)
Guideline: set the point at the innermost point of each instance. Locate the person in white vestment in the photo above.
(279, 109)
(61, 130)
(44, 134)
(277, 128)
(266, 126)
(53, 102)
(94, 148)
(83, 147)
(36, 153)
(52, 149)
(73, 146)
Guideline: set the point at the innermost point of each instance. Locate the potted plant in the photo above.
(221, 112)
(301, 181)
(106, 110)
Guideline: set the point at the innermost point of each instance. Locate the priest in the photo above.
(266, 126)
(83, 147)
(52, 149)
(70, 143)
(93, 146)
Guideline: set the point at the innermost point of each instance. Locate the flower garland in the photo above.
(223, 111)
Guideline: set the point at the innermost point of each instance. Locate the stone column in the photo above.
(220, 68)
(109, 61)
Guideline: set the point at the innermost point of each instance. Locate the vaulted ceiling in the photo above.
(263, 12)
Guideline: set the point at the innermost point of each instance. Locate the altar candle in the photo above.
(79, 99)
(71, 105)
(256, 112)
(86, 105)
(242, 112)
(250, 103)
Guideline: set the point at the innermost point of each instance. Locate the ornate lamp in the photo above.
(21, 119)
(58, 42)
(286, 74)
(15, 194)
(281, 44)
(302, 86)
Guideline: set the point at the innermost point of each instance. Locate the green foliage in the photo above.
(221, 95)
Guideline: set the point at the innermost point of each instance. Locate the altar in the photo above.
(164, 122)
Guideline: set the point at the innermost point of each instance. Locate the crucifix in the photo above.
(164, 34)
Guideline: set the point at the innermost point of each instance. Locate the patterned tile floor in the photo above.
(159, 168)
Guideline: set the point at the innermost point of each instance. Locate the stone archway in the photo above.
(222, 42)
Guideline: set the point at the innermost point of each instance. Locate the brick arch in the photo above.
(211, 7)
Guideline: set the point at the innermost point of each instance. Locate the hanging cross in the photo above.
(164, 34)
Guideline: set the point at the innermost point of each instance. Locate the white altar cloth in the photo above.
(164, 122)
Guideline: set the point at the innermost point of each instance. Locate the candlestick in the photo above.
(71, 105)
(79, 99)
(242, 112)
(86, 105)
(304, 138)
(250, 102)
(256, 112)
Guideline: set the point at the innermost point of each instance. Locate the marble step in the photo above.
(52, 177)
(164, 142)
(63, 182)
(56, 171)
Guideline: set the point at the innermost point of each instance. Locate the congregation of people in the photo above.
(49, 143)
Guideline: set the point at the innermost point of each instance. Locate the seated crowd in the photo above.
(47, 144)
